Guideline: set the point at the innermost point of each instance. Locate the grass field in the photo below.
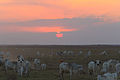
(47, 55)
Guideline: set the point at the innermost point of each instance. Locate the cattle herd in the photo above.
(21, 66)
(102, 70)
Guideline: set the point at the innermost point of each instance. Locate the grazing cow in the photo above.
(64, 52)
(37, 64)
(65, 67)
(69, 67)
(70, 52)
(117, 68)
(60, 53)
(91, 67)
(108, 76)
(43, 66)
(100, 77)
(80, 53)
(76, 68)
(111, 76)
(9, 64)
(104, 53)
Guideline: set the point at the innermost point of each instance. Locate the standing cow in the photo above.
(91, 67)
(63, 67)
(37, 64)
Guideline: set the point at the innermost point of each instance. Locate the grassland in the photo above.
(48, 56)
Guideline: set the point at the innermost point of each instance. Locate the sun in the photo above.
(59, 35)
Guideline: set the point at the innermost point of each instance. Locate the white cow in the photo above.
(111, 76)
(63, 67)
(70, 52)
(80, 52)
(43, 66)
(38, 53)
(117, 68)
(97, 62)
(20, 67)
(69, 67)
(37, 64)
(97, 66)
(112, 64)
(109, 66)
(27, 67)
(65, 52)
(89, 53)
(108, 76)
(105, 67)
(9, 64)
(23, 67)
(91, 67)
(20, 58)
(104, 53)
(100, 77)
(76, 68)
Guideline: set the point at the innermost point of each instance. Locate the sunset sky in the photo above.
(62, 22)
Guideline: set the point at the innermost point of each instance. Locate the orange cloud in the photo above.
(46, 29)
(28, 12)
(35, 29)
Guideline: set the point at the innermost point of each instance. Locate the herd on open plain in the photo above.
(102, 70)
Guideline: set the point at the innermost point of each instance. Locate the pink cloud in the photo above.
(35, 29)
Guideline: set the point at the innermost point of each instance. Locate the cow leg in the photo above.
(21, 71)
(70, 74)
(61, 76)
(6, 69)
